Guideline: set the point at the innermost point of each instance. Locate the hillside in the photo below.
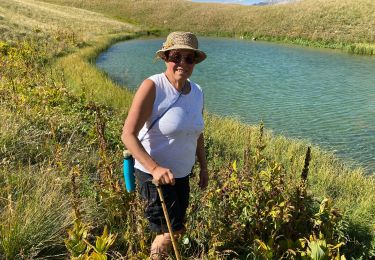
(342, 24)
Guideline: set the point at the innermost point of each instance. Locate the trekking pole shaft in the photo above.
(174, 243)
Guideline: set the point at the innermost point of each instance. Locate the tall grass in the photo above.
(45, 129)
(20, 18)
(34, 212)
(85, 80)
(341, 24)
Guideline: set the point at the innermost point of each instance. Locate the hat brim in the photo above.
(201, 56)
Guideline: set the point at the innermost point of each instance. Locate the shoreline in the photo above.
(91, 56)
(343, 156)
(285, 23)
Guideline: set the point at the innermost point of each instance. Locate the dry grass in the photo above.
(44, 130)
(85, 79)
(36, 214)
(324, 23)
(21, 17)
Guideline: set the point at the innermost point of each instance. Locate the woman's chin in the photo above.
(181, 75)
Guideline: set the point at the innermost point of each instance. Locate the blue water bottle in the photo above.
(129, 171)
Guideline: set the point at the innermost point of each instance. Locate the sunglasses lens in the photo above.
(177, 58)
(190, 59)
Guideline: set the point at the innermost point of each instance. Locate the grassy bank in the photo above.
(60, 157)
(340, 24)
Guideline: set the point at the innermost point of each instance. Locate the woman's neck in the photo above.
(177, 84)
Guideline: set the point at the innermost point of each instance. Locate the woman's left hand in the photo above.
(203, 179)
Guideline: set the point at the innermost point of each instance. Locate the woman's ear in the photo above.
(165, 57)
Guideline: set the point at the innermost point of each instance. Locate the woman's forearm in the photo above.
(139, 153)
(160, 174)
(201, 153)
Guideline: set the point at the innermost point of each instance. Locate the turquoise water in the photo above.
(323, 96)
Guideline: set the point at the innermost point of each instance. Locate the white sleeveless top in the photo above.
(172, 141)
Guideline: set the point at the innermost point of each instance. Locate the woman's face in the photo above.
(180, 63)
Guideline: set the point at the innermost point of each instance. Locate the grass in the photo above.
(341, 24)
(53, 104)
(35, 215)
(24, 17)
(84, 79)
(45, 130)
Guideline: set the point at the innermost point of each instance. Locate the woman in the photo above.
(163, 131)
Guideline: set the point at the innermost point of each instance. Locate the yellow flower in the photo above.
(168, 44)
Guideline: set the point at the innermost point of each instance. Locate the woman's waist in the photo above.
(173, 146)
(157, 137)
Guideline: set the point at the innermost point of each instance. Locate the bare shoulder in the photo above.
(147, 87)
(145, 96)
(141, 107)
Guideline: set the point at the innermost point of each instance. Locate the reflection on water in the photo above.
(324, 96)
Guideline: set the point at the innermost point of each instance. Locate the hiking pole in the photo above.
(174, 243)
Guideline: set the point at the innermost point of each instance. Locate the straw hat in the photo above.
(181, 40)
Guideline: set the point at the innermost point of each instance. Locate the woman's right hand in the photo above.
(162, 176)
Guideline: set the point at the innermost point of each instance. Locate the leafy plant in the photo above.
(80, 248)
(263, 213)
(77, 242)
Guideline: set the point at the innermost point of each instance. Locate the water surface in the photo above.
(323, 96)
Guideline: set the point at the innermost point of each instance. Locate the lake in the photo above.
(324, 96)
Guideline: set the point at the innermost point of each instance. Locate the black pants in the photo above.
(176, 198)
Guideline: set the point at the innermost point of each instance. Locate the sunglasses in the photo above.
(177, 57)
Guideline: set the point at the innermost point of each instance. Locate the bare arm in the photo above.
(201, 155)
(139, 112)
